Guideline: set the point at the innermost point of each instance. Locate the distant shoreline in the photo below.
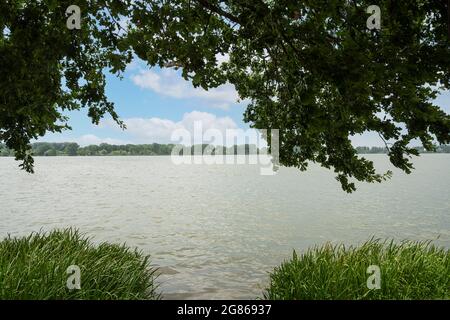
(51, 149)
(168, 155)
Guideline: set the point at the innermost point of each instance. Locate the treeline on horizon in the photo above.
(374, 150)
(156, 149)
(104, 149)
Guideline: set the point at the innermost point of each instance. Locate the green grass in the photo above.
(34, 267)
(409, 270)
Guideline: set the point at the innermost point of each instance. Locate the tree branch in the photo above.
(385, 143)
(219, 11)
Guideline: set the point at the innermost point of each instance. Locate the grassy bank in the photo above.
(409, 270)
(35, 267)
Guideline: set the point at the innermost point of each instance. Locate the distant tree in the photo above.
(445, 148)
(378, 150)
(40, 148)
(50, 153)
(119, 153)
(82, 152)
(362, 150)
(71, 149)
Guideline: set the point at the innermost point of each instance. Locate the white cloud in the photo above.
(443, 100)
(208, 120)
(221, 58)
(135, 65)
(169, 83)
(150, 130)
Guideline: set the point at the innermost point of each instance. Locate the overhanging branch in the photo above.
(219, 11)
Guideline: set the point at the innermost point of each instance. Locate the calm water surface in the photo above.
(216, 231)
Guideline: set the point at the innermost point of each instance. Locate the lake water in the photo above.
(217, 230)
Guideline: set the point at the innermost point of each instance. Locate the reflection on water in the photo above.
(216, 231)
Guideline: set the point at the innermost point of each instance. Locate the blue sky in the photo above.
(154, 102)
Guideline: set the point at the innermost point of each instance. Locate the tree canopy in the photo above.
(310, 68)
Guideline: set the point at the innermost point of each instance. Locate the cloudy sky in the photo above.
(154, 102)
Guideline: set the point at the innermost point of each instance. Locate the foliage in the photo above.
(47, 69)
(34, 267)
(409, 270)
(309, 68)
